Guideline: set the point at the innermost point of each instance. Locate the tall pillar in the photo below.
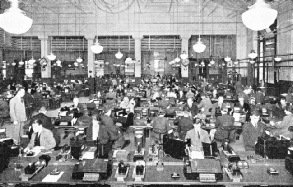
(46, 70)
(137, 66)
(90, 56)
(184, 47)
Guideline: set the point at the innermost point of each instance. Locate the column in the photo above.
(90, 56)
(184, 47)
(137, 66)
(46, 70)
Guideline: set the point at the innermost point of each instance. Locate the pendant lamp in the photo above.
(199, 47)
(259, 16)
(14, 20)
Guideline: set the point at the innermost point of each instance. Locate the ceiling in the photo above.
(116, 6)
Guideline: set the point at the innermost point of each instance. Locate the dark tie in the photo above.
(198, 135)
(37, 140)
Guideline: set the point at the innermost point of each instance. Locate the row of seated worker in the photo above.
(112, 134)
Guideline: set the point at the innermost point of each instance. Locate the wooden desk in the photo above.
(256, 174)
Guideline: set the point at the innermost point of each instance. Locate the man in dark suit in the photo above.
(112, 131)
(252, 130)
(184, 124)
(190, 106)
(160, 126)
(222, 123)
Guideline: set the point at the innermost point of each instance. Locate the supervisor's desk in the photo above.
(255, 175)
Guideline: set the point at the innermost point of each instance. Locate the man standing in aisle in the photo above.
(17, 114)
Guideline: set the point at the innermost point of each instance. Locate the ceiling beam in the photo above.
(171, 3)
(77, 7)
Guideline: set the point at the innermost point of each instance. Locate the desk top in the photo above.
(256, 174)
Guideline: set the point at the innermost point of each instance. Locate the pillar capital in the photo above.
(42, 37)
(137, 36)
(89, 37)
(185, 36)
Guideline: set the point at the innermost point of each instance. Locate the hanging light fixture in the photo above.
(199, 47)
(76, 64)
(51, 56)
(79, 59)
(227, 58)
(252, 54)
(21, 62)
(14, 20)
(202, 63)
(195, 64)
(277, 59)
(252, 61)
(96, 48)
(58, 62)
(119, 55)
(212, 62)
(236, 62)
(128, 59)
(13, 63)
(259, 16)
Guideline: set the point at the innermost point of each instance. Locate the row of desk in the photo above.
(256, 174)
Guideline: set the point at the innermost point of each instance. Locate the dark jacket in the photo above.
(250, 135)
(184, 124)
(222, 132)
(193, 109)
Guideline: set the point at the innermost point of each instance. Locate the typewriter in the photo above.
(204, 170)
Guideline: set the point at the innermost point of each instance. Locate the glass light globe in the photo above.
(252, 62)
(212, 62)
(119, 55)
(32, 60)
(202, 63)
(97, 48)
(277, 59)
(14, 20)
(184, 55)
(128, 60)
(13, 63)
(58, 62)
(199, 47)
(228, 59)
(79, 59)
(259, 16)
(21, 63)
(195, 64)
(76, 64)
(51, 56)
(252, 54)
(236, 62)
(177, 59)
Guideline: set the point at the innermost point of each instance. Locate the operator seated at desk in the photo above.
(281, 127)
(161, 126)
(197, 136)
(41, 138)
(77, 107)
(185, 124)
(252, 130)
(191, 106)
(222, 122)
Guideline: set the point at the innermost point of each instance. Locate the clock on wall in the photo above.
(185, 62)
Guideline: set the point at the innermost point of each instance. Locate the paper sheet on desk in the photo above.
(90, 154)
(36, 152)
(52, 178)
